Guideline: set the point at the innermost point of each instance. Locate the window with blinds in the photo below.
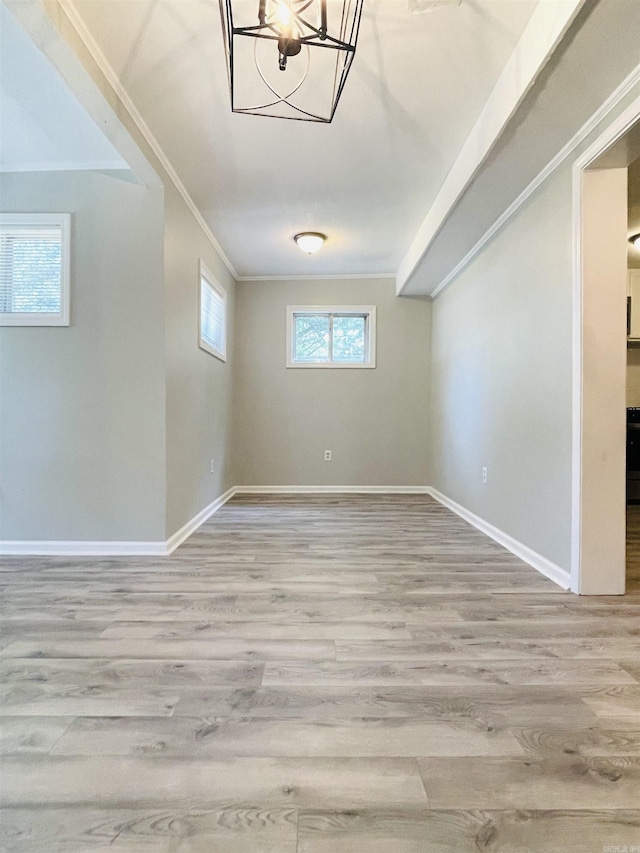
(34, 269)
(213, 315)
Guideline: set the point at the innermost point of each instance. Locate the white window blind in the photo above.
(213, 320)
(34, 269)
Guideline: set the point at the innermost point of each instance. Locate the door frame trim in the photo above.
(613, 133)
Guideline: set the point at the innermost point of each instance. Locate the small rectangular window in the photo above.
(213, 315)
(34, 269)
(342, 336)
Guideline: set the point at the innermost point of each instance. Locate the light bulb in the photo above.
(635, 240)
(283, 14)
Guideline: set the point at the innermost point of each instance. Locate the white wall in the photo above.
(82, 436)
(603, 399)
(374, 421)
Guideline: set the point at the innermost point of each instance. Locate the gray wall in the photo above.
(374, 421)
(82, 437)
(108, 427)
(198, 415)
(502, 372)
(501, 386)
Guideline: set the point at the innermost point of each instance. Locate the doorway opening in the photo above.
(601, 282)
(633, 378)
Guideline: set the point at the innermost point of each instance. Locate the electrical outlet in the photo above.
(211, 468)
(327, 456)
(484, 475)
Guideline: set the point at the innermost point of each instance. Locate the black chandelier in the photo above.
(289, 58)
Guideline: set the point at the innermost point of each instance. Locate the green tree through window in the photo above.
(330, 338)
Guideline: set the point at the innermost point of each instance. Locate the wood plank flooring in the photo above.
(317, 674)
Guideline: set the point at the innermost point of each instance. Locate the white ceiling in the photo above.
(43, 125)
(417, 87)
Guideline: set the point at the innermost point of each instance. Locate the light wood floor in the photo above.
(317, 675)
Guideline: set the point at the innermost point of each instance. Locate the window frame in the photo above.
(369, 312)
(43, 318)
(206, 276)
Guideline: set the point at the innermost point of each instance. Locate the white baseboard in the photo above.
(191, 526)
(114, 549)
(550, 570)
(59, 548)
(163, 549)
(332, 490)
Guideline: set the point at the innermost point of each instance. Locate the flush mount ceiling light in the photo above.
(289, 58)
(635, 240)
(310, 241)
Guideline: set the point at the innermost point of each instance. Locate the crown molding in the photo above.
(112, 78)
(336, 277)
(624, 89)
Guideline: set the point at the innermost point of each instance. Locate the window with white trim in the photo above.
(212, 335)
(34, 269)
(331, 336)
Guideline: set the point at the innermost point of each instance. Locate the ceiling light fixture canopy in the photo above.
(289, 58)
(635, 240)
(310, 241)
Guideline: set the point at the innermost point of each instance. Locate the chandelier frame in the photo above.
(310, 37)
